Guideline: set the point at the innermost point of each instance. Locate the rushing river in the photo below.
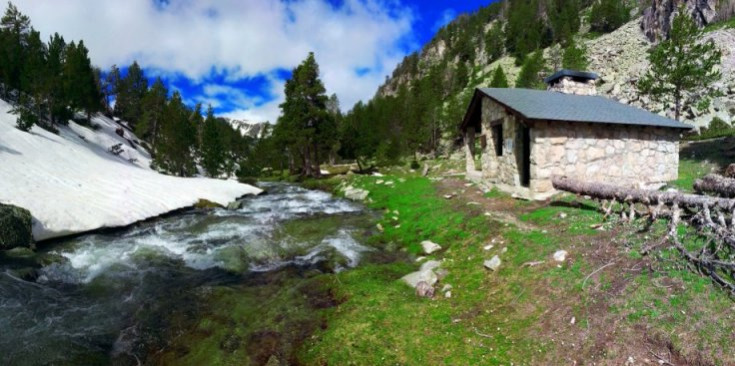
(106, 298)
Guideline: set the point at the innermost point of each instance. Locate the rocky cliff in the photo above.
(656, 21)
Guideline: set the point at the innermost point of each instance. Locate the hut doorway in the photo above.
(525, 166)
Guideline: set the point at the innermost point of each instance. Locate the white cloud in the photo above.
(238, 38)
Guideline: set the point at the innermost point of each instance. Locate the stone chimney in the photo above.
(572, 82)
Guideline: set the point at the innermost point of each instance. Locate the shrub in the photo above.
(608, 15)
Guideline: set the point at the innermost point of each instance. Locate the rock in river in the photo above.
(15, 227)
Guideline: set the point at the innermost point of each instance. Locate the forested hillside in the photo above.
(511, 43)
(50, 83)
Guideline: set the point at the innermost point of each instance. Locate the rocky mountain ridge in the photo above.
(256, 130)
(619, 57)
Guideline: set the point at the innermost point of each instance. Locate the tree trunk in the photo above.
(677, 103)
(622, 194)
(717, 184)
(317, 171)
(307, 161)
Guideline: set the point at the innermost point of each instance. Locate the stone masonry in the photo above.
(620, 154)
(567, 85)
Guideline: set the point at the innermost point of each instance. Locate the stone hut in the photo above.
(517, 139)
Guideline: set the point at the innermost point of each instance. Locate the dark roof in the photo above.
(556, 106)
(574, 74)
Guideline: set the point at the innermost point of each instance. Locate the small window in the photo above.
(498, 139)
(483, 142)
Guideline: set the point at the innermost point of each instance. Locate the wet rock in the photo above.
(15, 227)
(412, 279)
(493, 264)
(430, 247)
(560, 255)
(236, 205)
(206, 204)
(423, 289)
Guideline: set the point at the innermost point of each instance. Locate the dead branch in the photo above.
(711, 218)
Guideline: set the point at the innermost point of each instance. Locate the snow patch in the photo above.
(71, 183)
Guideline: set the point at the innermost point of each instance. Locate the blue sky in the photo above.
(237, 54)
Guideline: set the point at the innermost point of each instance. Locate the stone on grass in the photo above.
(488, 247)
(379, 227)
(412, 279)
(356, 194)
(15, 227)
(493, 264)
(430, 247)
(446, 288)
(431, 265)
(423, 289)
(448, 294)
(560, 255)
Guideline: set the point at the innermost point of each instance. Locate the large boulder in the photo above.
(15, 227)
(658, 18)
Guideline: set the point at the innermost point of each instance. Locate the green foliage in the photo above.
(495, 42)
(499, 79)
(306, 129)
(575, 57)
(608, 15)
(213, 151)
(530, 74)
(717, 128)
(26, 117)
(178, 137)
(131, 90)
(682, 65)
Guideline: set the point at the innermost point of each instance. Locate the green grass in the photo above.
(384, 322)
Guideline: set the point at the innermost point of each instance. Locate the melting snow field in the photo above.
(71, 183)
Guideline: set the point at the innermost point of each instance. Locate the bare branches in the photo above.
(710, 221)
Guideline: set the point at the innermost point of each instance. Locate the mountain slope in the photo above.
(71, 182)
(619, 57)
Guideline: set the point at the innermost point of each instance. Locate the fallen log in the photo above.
(716, 184)
(605, 191)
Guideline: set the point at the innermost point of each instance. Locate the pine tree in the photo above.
(54, 86)
(177, 140)
(15, 27)
(683, 67)
(304, 116)
(530, 74)
(495, 42)
(499, 79)
(213, 151)
(130, 92)
(80, 87)
(112, 79)
(575, 57)
(153, 106)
